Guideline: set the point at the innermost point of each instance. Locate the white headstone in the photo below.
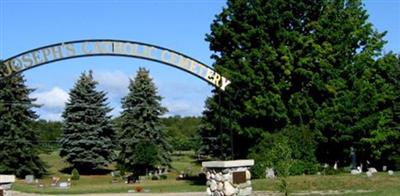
(372, 170)
(369, 174)
(270, 174)
(391, 172)
(63, 185)
(384, 168)
(29, 179)
(355, 171)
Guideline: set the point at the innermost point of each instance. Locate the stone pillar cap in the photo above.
(6, 179)
(228, 164)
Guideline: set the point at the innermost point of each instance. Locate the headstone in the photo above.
(335, 166)
(369, 174)
(29, 179)
(391, 172)
(270, 174)
(63, 185)
(355, 172)
(384, 168)
(372, 170)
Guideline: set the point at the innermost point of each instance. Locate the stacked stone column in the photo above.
(220, 177)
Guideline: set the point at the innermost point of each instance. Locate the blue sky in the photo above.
(177, 24)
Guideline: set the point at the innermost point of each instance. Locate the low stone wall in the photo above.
(229, 179)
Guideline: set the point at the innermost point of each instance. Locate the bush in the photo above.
(332, 171)
(75, 174)
(300, 167)
(163, 177)
(273, 151)
(289, 152)
(155, 178)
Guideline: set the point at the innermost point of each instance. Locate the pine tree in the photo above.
(18, 141)
(144, 143)
(88, 136)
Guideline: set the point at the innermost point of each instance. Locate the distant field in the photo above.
(380, 184)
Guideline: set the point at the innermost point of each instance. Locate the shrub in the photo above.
(163, 177)
(75, 174)
(273, 151)
(300, 167)
(155, 178)
(289, 152)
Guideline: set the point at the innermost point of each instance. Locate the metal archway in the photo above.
(110, 47)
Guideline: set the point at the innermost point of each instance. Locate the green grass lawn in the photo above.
(379, 184)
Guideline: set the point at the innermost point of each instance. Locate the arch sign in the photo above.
(84, 48)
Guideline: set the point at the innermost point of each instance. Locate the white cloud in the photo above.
(52, 100)
(115, 83)
(183, 108)
(52, 103)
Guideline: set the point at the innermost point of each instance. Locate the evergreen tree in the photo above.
(296, 65)
(18, 141)
(87, 141)
(144, 143)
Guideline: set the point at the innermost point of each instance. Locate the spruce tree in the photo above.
(87, 141)
(18, 141)
(144, 143)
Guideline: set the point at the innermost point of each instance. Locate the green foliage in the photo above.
(49, 133)
(183, 131)
(75, 174)
(18, 141)
(273, 152)
(87, 141)
(283, 186)
(144, 142)
(302, 68)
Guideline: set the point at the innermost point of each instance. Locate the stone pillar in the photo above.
(228, 178)
(5, 184)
